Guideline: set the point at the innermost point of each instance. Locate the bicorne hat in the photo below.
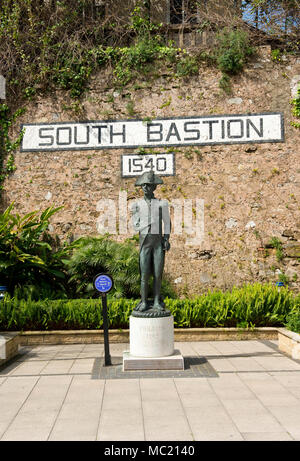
(148, 178)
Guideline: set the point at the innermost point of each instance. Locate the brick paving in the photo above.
(229, 390)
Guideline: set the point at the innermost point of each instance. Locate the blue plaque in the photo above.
(103, 283)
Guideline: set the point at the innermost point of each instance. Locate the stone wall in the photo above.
(250, 191)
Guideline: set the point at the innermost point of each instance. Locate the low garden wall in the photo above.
(289, 342)
(33, 338)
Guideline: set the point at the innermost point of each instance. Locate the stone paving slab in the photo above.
(289, 381)
(268, 390)
(288, 416)
(212, 423)
(250, 414)
(121, 424)
(79, 416)
(267, 436)
(230, 390)
(37, 415)
(13, 395)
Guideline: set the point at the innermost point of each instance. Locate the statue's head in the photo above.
(148, 182)
(148, 178)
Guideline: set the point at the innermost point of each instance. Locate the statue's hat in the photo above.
(148, 178)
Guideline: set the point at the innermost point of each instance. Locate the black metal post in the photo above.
(107, 359)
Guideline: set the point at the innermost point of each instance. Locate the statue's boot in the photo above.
(157, 304)
(142, 306)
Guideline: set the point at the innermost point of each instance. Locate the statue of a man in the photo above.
(151, 218)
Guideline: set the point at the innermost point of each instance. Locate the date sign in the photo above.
(137, 164)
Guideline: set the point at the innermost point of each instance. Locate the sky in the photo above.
(276, 18)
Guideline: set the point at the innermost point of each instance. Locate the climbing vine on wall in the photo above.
(43, 48)
(7, 146)
(296, 108)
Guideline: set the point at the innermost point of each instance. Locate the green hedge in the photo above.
(247, 306)
(293, 320)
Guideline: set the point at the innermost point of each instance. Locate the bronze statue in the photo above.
(149, 214)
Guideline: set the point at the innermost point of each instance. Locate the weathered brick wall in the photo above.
(250, 192)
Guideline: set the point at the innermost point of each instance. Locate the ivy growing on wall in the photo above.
(296, 108)
(7, 146)
(43, 49)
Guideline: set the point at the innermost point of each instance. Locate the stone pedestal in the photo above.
(152, 345)
(151, 337)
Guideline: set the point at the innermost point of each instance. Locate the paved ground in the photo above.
(249, 391)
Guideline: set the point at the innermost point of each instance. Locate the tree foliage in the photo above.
(278, 18)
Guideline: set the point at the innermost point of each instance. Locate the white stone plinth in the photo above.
(172, 362)
(151, 337)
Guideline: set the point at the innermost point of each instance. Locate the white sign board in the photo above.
(127, 134)
(137, 164)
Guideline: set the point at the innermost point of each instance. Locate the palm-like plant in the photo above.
(93, 255)
(28, 253)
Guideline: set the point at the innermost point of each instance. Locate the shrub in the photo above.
(276, 243)
(276, 55)
(62, 314)
(296, 108)
(296, 103)
(34, 265)
(248, 306)
(187, 66)
(133, 59)
(259, 305)
(233, 50)
(293, 318)
(93, 255)
(225, 83)
(28, 253)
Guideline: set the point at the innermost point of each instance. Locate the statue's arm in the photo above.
(167, 225)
